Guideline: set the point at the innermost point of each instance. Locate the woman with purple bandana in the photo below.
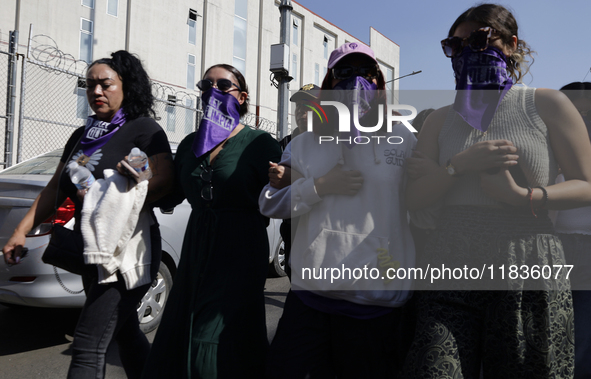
(574, 228)
(119, 93)
(214, 322)
(493, 156)
(350, 202)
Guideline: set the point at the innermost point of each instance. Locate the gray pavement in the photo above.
(35, 342)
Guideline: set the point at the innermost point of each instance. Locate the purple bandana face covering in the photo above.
(98, 133)
(355, 90)
(482, 80)
(221, 115)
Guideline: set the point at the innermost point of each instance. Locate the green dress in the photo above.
(214, 322)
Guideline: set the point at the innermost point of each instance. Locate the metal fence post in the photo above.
(283, 97)
(10, 98)
(21, 114)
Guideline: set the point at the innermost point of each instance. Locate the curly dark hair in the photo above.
(138, 100)
(241, 82)
(577, 90)
(503, 21)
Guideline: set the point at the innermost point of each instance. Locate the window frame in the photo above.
(193, 65)
(91, 34)
(116, 15)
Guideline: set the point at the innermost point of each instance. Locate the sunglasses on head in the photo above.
(477, 41)
(222, 84)
(346, 71)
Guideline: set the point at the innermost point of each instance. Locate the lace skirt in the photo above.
(514, 326)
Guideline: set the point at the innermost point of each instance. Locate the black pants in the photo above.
(313, 344)
(110, 312)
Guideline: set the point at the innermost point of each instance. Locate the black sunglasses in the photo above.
(477, 41)
(207, 175)
(222, 84)
(346, 71)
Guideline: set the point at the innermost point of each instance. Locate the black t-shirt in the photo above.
(143, 132)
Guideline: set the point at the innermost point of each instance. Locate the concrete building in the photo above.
(177, 40)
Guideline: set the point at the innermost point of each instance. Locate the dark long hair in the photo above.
(138, 100)
(577, 90)
(500, 19)
(241, 82)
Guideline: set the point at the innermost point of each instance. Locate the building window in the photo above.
(240, 13)
(191, 72)
(325, 46)
(88, 3)
(189, 116)
(324, 69)
(82, 107)
(170, 113)
(112, 7)
(294, 31)
(192, 32)
(192, 22)
(86, 40)
(241, 8)
(316, 74)
(294, 67)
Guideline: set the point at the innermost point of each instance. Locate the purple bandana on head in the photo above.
(98, 133)
(220, 117)
(482, 80)
(360, 91)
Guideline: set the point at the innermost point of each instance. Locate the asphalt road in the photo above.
(35, 342)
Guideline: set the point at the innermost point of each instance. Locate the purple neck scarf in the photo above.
(360, 91)
(220, 117)
(482, 80)
(98, 133)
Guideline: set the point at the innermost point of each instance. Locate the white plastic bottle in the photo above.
(139, 161)
(81, 176)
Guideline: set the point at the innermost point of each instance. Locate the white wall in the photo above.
(159, 36)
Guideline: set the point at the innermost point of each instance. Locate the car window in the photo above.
(45, 164)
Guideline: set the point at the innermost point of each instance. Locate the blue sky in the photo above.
(559, 31)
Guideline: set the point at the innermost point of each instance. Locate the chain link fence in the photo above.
(51, 102)
(177, 111)
(4, 59)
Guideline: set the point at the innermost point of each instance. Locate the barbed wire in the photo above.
(251, 120)
(45, 50)
(162, 91)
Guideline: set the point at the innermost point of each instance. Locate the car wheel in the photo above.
(277, 266)
(151, 307)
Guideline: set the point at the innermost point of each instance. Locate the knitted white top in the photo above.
(516, 120)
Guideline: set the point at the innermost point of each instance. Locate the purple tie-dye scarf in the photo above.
(482, 80)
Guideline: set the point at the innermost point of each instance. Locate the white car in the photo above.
(33, 283)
